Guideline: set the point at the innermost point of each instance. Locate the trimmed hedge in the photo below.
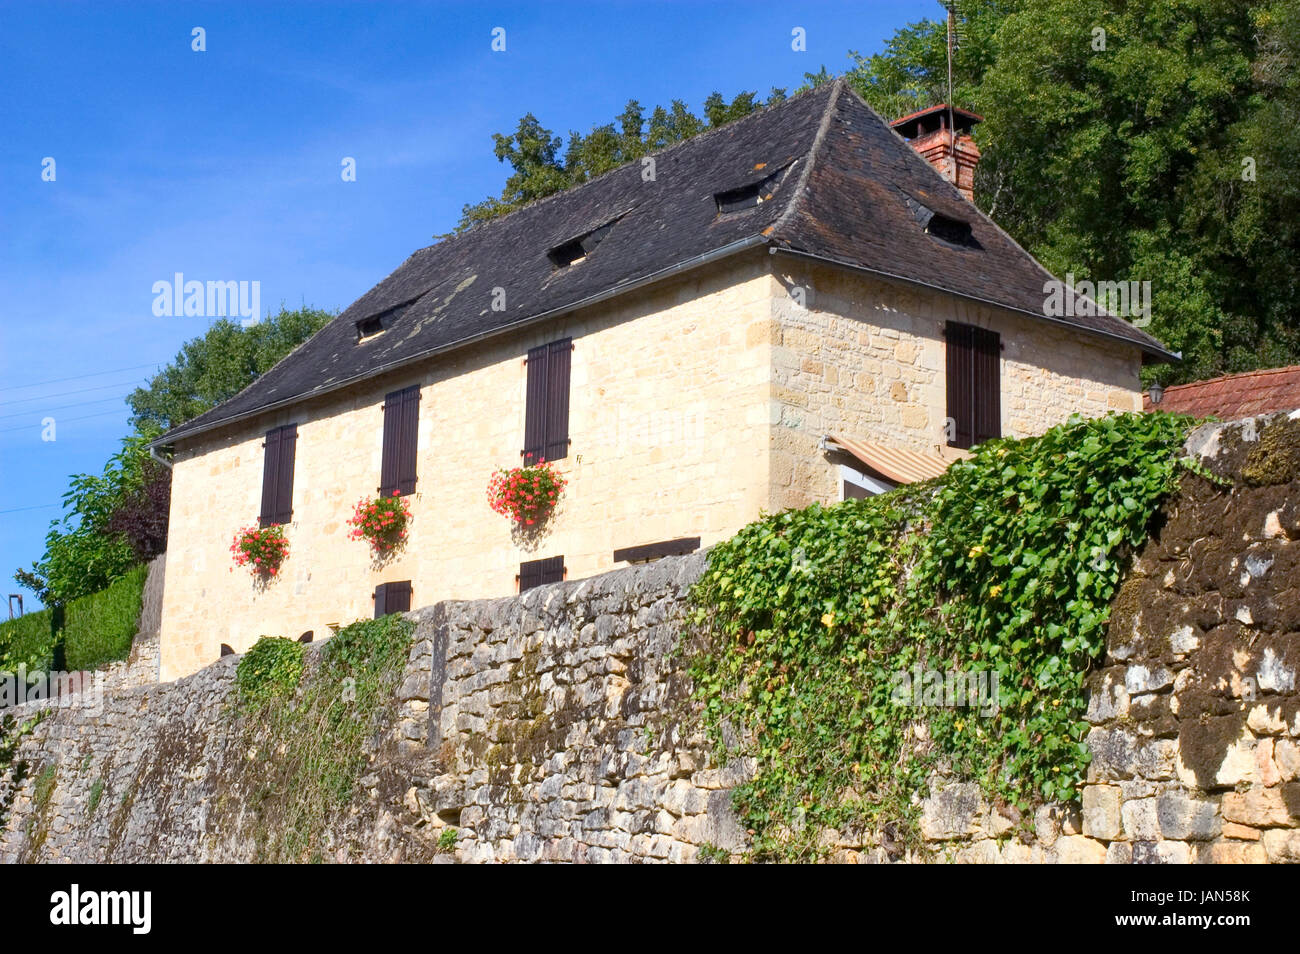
(29, 640)
(99, 628)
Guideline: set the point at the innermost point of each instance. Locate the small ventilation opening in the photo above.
(747, 196)
(943, 227)
(369, 327)
(951, 230)
(575, 250)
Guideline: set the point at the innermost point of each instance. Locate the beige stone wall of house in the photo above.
(864, 358)
(694, 407)
(669, 425)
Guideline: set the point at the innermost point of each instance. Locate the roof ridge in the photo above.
(796, 194)
(662, 151)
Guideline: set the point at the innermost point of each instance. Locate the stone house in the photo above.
(794, 307)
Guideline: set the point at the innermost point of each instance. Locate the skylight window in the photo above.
(951, 230)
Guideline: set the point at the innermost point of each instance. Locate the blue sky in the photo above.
(224, 164)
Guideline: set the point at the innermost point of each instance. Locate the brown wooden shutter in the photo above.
(540, 572)
(529, 574)
(558, 367)
(399, 597)
(397, 469)
(277, 475)
(270, 477)
(410, 417)
(974, 367)
(546, 415)
(959, 359)
(392, 598)
(388, 466)
(988, 385)
(535, 407)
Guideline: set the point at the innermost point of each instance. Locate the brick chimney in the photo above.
(929, 133)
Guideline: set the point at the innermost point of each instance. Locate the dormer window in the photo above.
(370, 327)
(943, 227)
(950, 230)
(575, 250)
(747, 196)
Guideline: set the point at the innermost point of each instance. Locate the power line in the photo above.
(46, 397)
(62, 407)
(69, 420)
(77, 377)
(37, 507)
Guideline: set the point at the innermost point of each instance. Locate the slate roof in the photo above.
(843, 186)
(1234, 396)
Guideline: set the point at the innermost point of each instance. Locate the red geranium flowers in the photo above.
(526, 495)
(382, 521)
(261, 549)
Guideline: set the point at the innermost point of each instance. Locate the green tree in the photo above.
(218, 365)
(1113, 148)
(82, 555)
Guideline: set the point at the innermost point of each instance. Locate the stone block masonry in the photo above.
(1195, 710)
(542, 727)
(557, 726)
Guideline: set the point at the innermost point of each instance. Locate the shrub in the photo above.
(29, 640)
(99, 629)
(447, 840)
(273, 667)
(311, 745)
(527, 495)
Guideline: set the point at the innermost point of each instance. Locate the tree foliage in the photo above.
(218, 365)
(82, 555)
(1115, 144)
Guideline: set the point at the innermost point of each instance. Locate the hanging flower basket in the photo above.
(526, 495)
(382, 521)
(261, 549)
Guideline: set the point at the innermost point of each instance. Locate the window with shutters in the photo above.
(392, 598)
(546, 417)
(401, 425)
(277, 475)
(974, 384)
(540, 572)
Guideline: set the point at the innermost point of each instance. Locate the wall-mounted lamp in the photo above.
(1156, 392)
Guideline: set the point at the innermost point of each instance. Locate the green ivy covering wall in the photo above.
(1007, 564)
